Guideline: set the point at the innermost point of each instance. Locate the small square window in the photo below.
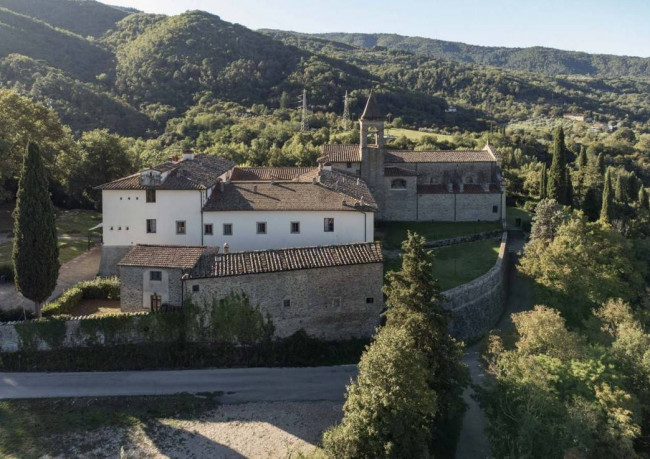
(180, 227)
(495, 209)
(295, 227)
(208, 229)
(195, 288)
(328, 224)
(155, 275)
(227, 229)
(151, 226)
(370, 300)
(151, 195)
(287, 303)
(261, 227)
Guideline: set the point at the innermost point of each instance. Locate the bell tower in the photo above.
(371, 128)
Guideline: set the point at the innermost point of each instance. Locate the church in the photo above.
(448, 185)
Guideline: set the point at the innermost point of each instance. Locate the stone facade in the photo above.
(111, 256)
(477, 306)
(329, 303)
(136, 287)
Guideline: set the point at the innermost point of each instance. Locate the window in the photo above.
(295, 227)
(155, 275)
(151, 195)
(370, 300)
(180, 227)
(195, 288)
(495, 209)
(208, 229)
(398, 184)
(151, 226)
(227, 229)
(328, 224)
(348, 165)
(261, 227)
(287, 303)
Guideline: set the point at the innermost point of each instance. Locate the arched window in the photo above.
(398, 184)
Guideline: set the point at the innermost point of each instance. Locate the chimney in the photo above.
(254, 188)
(222, 186)
(226, 248)
(362, 203)
(313, 181)
(358, 181)
(188, 155)
(229, 176)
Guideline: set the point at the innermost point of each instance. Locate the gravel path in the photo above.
(250, 430)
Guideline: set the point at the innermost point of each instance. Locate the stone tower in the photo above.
(371, 127)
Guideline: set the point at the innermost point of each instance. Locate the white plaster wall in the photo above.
(129, 209)
(348, 228)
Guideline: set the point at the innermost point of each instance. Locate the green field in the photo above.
(67, 251)
(392, 234)
(458, 264)
(33, 428)
(412, 134)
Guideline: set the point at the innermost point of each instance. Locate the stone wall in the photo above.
(460, 207)
(477, 306)
(328, 303)
(400, 204)
(496, 234)
(111, 256)
(136, 288)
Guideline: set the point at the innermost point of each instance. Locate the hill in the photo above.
(547, 61)
(87, 18)
(71, 53)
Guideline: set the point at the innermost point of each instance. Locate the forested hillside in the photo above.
(83, 17)
(535, 59)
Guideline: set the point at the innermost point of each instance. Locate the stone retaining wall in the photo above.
(496, 234)
(477, 306)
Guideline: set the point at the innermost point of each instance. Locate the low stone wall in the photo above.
(496, 234)
(477, 306)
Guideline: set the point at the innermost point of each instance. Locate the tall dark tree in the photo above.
(557, 183)
(600, 164)
(581, 161)
(35, 250)
(543, 182)
(591, 204)
(569, 188)
(607, 209)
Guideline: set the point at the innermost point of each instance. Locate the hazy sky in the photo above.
(603, 26)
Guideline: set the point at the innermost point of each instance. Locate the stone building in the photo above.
(332, 292)
(458, 185)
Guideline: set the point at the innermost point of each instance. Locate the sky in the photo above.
(597, 26)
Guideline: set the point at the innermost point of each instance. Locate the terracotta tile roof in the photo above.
(329, 192)
(340, 154)
(198, 174)
(269, 173)
(279, 260)
(444, 156)
(163, 256)
(398, 172)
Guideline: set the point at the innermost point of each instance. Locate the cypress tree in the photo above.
(557, 185)
(600, 164)
(35, 251)
(582, 159)
(543, 181)
(643, 199)
(620, 189)
(591, 204)
(606, 211)
(569, 188)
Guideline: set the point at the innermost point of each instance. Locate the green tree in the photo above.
(591, 204)
(387, 410)
(543, 194)
(581, 160)
(35, 251)
(557, 176)
(643, 199)
(548, 218)
(285, 100)
(607, 209)
(414, 302)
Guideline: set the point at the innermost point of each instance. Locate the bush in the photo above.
(96, 289)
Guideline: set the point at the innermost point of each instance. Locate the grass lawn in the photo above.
(458, 264)
(76, 222)
(30, 428)
(412, 134)
(67, 251)
(392, 234)
(513, 213)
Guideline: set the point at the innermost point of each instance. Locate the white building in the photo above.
(204, 201)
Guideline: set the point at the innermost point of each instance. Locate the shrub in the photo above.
(96, 289)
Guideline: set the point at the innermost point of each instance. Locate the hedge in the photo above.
(96, 289)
